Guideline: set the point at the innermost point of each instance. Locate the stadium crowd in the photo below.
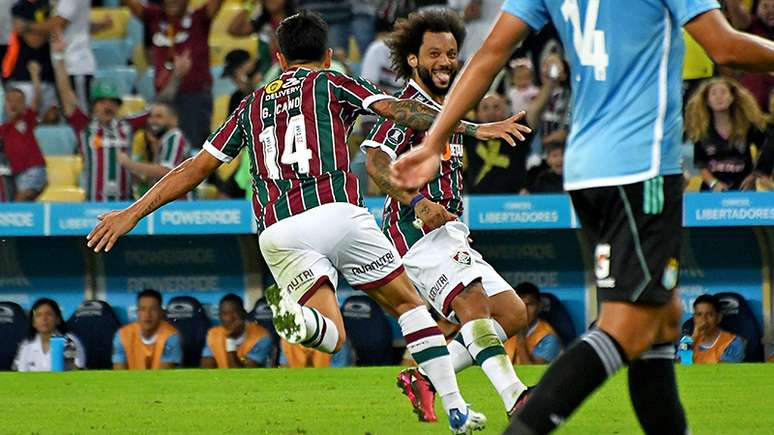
(80, 81)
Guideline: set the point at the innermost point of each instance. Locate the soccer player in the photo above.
(423, 224)
(623, 173)
(307, 203)
(236, 342)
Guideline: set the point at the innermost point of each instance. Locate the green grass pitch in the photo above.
(722, 399)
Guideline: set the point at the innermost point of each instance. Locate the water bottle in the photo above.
(685, 350)
(69, 354)
(56, 351)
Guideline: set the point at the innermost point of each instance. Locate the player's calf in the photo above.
(312, 325)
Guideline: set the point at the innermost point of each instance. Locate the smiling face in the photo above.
(719, 97)
(105, 110)
(45, 320)
(436, 65)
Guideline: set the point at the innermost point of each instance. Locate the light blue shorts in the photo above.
(33, 178)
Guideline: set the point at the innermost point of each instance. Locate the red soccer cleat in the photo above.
(520, 402)
(420, 393)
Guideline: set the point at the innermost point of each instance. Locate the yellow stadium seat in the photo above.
(219, 111)
(62, 194)
(63, 171)
(223, 19)
(120, 18)
(221, 45)
(131, 104)
(225, 170)
(694, 184)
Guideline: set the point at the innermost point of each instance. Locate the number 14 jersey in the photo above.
(295, 130)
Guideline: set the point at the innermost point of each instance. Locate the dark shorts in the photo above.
(635, 232)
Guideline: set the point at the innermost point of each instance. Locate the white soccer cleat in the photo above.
(466, 423)
(287, 316)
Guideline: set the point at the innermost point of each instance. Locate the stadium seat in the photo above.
(110, 52)
(261, 314)
(145, 85)
(738, 319)
(95, 324)
(119, 17)
(131, 104)
(123, 77)
(63, 171)
(221, 45)
(56, 140)
(188, 316)
(223, 19)
(226, 170)
(219, 111)
(694, 184)
(556, 314)
(62, 194)
(13, 329)
(368, 331)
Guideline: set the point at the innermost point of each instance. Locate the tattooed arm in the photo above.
(177, 182)
(419, 116)
(433, 215)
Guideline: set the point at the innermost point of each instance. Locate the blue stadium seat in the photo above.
(95, 324)
(368, 331)
(738, 319)
(13, 329)
(123, 77)
(261, 314)
(556, 314)
(188, 316)
(110, 52)
(56, 140)
(145, 85)
(135, 33)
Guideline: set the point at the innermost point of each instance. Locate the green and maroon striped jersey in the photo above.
(103, 178)
(173, 149)
(445, 188)
(295, 130)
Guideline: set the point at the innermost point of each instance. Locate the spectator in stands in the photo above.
(7, 185)
(522, 89)
(376, 66)
(236, 342)
(724, 121)
(34, 352)
(29, 42)
(758, 22)
(363, 25)
(712, 345)
(21, 148)
(549, 111)
(549, 176)
(479, 16)
(176, 30)
(5, 26)
(102, 137)
(150, 342)
(240, 69)
(165, 148)
(338, 15)
(71, 17)
(269, 14)
(539, 343)
(494, 166)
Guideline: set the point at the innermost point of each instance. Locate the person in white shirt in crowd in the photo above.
(71, 17)
(34, 352)
(522, 89)
(479, 16)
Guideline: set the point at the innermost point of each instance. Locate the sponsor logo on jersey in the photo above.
(395, 136)
(602, 266)
(438, 287)
(274, 86)
(378, 264)
(300, 279)
(463, 258)
(671, 271)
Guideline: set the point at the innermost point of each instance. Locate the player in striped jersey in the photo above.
(307, 203)
(423, 224)
(102, 137)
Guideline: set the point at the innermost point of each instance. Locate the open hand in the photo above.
(506, 129)
(112, 225)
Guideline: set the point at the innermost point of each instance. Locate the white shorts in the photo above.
(307, 250)
(442, 263)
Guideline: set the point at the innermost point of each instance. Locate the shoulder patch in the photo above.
(395, 136)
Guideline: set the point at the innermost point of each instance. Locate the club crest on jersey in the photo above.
(671, 272)
(274, 86)
(463, 258)
(395, 136)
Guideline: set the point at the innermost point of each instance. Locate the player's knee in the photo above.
(511, 316)
(472, 303)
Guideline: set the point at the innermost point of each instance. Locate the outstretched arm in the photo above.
(177, 182)
(730, 47)
(66, 93)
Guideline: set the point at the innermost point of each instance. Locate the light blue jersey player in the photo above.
(622, 171)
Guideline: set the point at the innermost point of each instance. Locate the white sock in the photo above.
(459, 354)
(485, 346)
(322, 332)
(428, 348)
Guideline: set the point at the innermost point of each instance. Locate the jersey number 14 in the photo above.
(294, 152)
(589, 42)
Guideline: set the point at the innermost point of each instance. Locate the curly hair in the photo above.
(744, 111)
(408, 34)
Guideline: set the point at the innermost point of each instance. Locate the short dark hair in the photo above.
(10, 89)
(149, 293)
(708, 299)
(236, 300)
(553, 146)
(303, 37)
(409, 33)
(61, 328)
(527, 288)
